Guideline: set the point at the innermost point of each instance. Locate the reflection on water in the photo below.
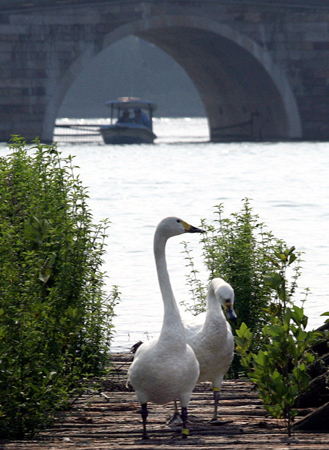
(183, 174)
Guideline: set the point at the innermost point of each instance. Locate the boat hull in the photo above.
(121, 134)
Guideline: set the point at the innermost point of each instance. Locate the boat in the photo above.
(131, 122)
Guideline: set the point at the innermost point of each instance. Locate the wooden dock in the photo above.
(108, 417)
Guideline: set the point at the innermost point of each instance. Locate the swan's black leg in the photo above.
(144, 417)
(185, 430)
(215, 420)
(216, 401)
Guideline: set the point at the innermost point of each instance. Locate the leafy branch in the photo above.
(279, 368)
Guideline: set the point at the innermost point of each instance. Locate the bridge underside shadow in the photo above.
(242, 100)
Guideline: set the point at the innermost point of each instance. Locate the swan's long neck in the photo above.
(172, 323)
(214, 309)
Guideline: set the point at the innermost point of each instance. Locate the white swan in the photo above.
(166, 368)
(210, 336)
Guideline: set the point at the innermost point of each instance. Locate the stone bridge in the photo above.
(261, 67)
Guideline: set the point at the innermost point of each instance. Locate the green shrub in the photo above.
(279, 368)
(55, 319)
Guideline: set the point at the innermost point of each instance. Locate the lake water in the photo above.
(184, 175)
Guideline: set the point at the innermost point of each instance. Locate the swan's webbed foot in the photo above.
(217, 422)
(175, 419)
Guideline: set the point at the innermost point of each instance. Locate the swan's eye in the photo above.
(178, 221)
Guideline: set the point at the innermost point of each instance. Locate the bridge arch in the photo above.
(245, 94)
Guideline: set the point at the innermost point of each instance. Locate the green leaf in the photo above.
(275, 280)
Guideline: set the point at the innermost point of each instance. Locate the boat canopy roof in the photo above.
(131, 102)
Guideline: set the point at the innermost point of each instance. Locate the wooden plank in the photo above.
(110, 419)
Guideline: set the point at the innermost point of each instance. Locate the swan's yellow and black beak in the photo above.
(191, 229)
(230, 313)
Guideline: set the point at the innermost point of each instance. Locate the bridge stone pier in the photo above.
(261, 67)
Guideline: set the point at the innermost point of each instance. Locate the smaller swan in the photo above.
(166, 368)
(210, 336)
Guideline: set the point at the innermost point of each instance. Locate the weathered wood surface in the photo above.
(110, 419)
